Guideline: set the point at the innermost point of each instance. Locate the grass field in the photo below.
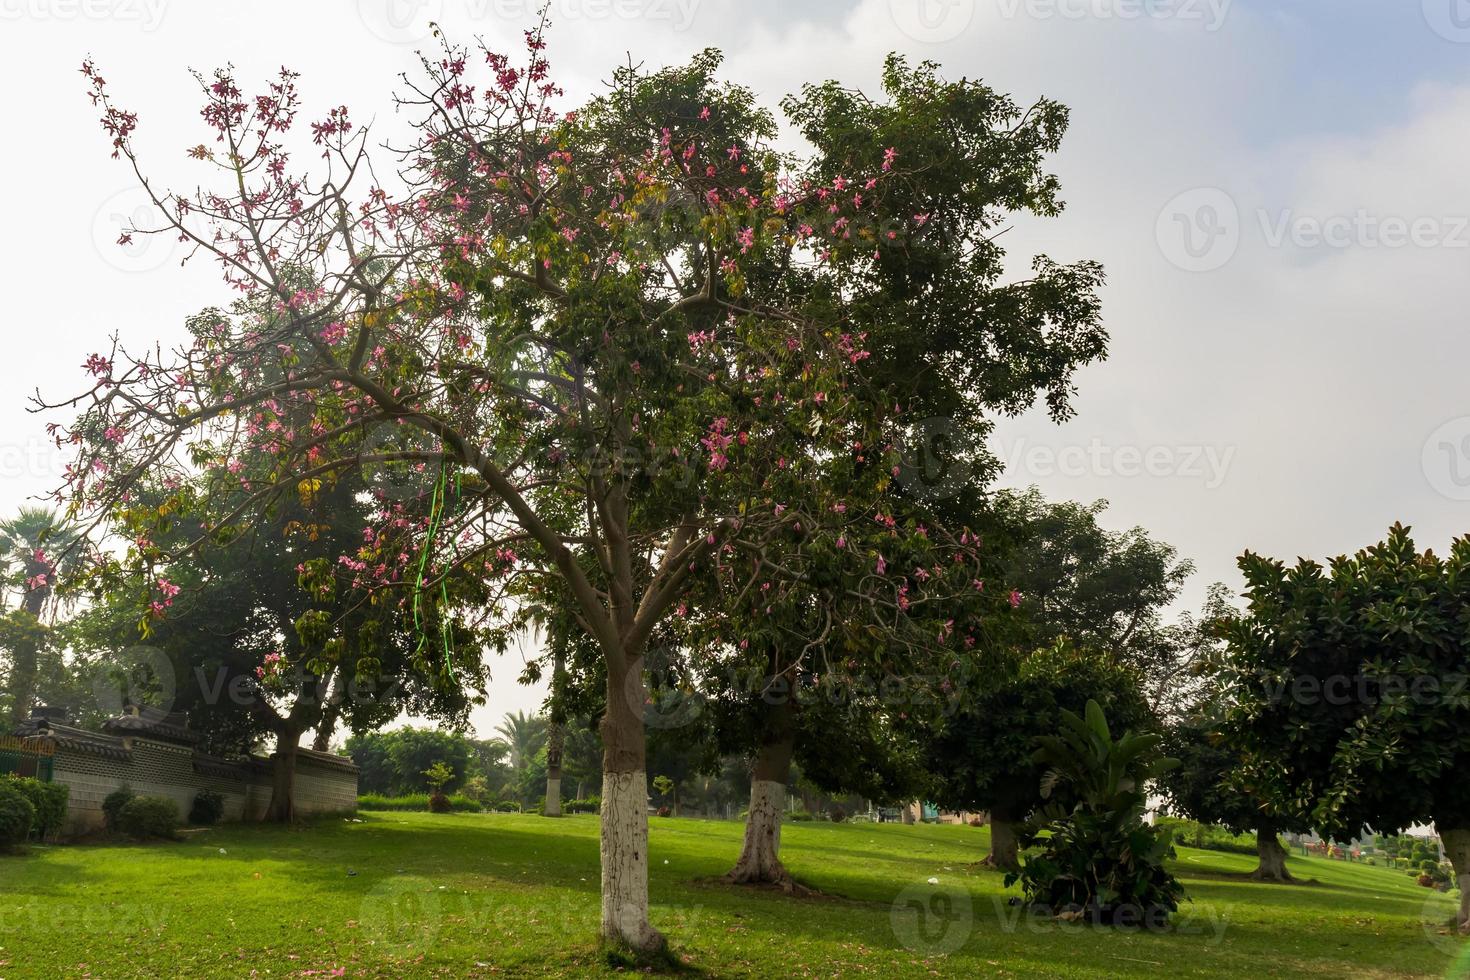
(460, 895)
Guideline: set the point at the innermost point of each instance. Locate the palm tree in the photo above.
(35, 546)
(523, 736)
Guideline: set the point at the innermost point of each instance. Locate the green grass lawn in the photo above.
(508, 895)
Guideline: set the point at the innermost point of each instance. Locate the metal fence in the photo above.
(33, 757)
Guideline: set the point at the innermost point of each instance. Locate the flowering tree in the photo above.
(579, 351)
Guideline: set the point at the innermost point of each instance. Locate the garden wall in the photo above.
(158, 759)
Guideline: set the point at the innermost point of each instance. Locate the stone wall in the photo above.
(92, 766)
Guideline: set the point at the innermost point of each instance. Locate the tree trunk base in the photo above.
(1272, 859)
(624, 843)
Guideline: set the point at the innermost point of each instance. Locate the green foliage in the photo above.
(982, 755)
(1206, 837)
(17, 815)
(149, 818)
(438, 776)
(590, 805)
(208, 808)
(48, 799)
(112, 806)
(1099, 860)
(1346, 687)
(416, 802)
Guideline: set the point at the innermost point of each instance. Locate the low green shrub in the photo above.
(149, 818)
(113, 804)
(416, 801)
(47, 799)
(799, 816)
(439, 803)
(590, 805)
(208, 808)
(17, 815)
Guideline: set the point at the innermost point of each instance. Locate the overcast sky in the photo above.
(1278, 189)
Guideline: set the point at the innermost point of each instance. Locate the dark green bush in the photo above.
(148, 818)
(1207, 837)
(47, 799)
(837, 813)
(16, 816)
(590, 805)
(113, 804)
(799, 816)
(208, 808)
(439, 803)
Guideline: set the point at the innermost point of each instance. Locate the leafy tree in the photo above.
(981, 754)
(36, 547)
(1201, 789)
(393, 763)
(1346, 692)
(607, 343)
(1098, 859)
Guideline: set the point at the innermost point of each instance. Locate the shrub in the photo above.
(439, 803)
(16, 815)
(1207, 837)
(837, 813)
(415, 801)
(149, 817)
(113, 804)
(1100, 861)
(208, 808)
(664, 811)
(47, 799)
(799, 816)
(590, 805)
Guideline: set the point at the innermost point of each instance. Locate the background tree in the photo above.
(36, 547)
(981, 753)
(1347, 692)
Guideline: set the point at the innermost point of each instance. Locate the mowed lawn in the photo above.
(402, 894)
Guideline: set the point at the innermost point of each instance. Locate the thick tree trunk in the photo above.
(283, 780)
(24, 666)
(1004, 848)
(1272, 866)
(624, 836)
(555, 742)
(760, 856)
(1456, 842)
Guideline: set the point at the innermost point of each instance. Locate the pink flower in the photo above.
(882, 567)
(888, 156)
(1015, 599)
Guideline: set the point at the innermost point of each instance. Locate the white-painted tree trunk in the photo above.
(760, 858)
(625, 861)
(553, 797)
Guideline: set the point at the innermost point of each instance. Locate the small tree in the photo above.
(437, 776)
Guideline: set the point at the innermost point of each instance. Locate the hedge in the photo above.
(48, 800)
(415, 801)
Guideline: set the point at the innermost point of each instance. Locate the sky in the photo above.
(1278, 191)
